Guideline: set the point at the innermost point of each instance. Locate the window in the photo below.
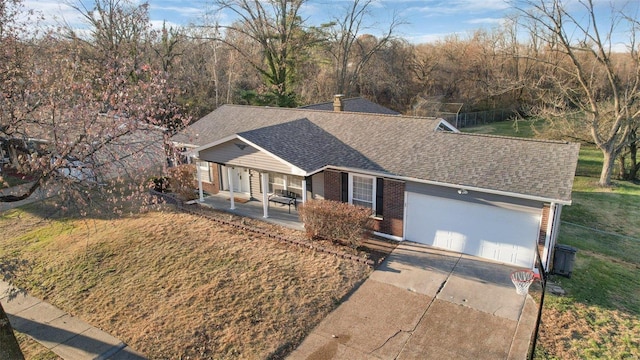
(362, 191)
(276, 182)
(294, 183)
(205, 173)
(285, 182)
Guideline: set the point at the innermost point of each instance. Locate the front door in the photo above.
(239, 177)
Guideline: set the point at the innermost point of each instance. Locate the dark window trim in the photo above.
(345, 186)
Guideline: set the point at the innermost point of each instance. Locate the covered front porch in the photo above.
(254, 209)
(243, 169)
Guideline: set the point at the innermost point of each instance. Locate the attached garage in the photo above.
(493, 230)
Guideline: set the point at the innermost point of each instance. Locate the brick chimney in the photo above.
(338, 104)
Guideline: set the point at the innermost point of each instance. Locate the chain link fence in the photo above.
(476, 118)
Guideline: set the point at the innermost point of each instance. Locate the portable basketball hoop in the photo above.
(522, 279)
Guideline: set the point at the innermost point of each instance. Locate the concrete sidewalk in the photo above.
(423, 303)
(65, 335)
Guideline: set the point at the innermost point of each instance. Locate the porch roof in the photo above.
(299, 144)
(308, 146)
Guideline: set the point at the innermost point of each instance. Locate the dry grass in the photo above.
(173, 285)
(589, 332)
(32, 350)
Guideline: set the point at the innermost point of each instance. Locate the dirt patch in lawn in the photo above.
(588, 332)
(174, 285)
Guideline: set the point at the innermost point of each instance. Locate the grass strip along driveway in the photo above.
(173, 285)
(599, 317)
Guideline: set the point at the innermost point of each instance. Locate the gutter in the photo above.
(448, 185)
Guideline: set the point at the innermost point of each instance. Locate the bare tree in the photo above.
(118, 30)
(388, 79)
(166, 46)
(276, 29)
(349, 51)
(629, 165)
(74, 117)
(586, 87)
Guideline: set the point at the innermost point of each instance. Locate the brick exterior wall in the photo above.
(392, 208)
(332, 185)
(214, 186)
(543, 224)
(546, 208)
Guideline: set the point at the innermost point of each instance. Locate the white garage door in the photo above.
(487, 231)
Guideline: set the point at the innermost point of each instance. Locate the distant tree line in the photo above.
(548, 61)
(542, 62)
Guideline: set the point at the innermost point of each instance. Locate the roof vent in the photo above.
(338, 104)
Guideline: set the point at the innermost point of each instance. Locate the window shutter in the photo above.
(309, 187)
(379, 192)
(345, 186)
(309, 184)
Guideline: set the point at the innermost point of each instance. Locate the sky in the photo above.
(423, 20)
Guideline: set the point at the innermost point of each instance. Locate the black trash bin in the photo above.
(563, 260)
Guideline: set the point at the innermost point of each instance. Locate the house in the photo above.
(96, 149)
(495, 197)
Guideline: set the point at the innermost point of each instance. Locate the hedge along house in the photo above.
(494, 197)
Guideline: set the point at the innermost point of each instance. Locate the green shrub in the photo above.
(181, 181)
(336, 221)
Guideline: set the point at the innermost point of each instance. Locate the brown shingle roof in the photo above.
(354, 105)
(400, 146)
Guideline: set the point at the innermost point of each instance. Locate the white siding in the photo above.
(238, 153)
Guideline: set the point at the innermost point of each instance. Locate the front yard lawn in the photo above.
(174, 285)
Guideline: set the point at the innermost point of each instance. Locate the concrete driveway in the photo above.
(427, 304)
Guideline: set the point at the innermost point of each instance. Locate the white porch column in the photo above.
(265, 194)
(199, 172)
(304, 190)
(230, 177)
